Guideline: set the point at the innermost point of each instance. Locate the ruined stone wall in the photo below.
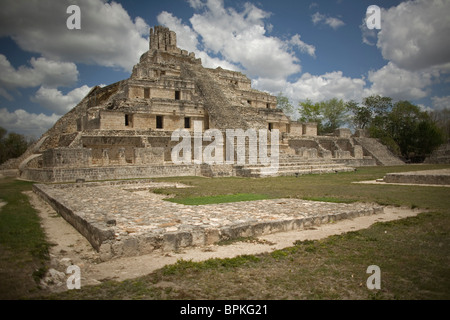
(296, 129)
(67, 158)
(118, 150)
(151, 155)
(310, 129)
(259, 99)
(174, 90)
(237, 80)
(109, 173)
(111, 120)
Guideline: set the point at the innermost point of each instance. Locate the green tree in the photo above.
(442, 120)
(12, 145)
(284, 104)
(311, 112)
(361, 115)
(334, 114)
(2, 133)
(408, 130)
(329, 115)
(374, 109)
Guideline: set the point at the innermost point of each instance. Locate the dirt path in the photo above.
(72, 248)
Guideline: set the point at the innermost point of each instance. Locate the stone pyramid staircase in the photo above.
(222, 111)
(441, 155)
(292, 165)
(379, 152)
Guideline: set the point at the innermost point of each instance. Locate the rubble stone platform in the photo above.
(124, 218)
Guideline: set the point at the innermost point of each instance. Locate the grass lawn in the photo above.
(413, 254)
(23, 246)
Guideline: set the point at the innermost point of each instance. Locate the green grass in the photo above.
(324, 187)
(330, 199)
(23, 245)
(197, 201)
(413, 254)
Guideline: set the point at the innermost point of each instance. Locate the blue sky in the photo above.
(315, 49)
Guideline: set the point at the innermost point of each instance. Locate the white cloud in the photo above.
(108, 36)
(186, 37)
(369, 36)
(42, 72)
(316, 88)
(28, 124)
(304, 47)
(440, 103)
(237, 39)
(415, 34)
(54, 100)
(6, 95)
(400, 84)
(196, 4)
(327, 86)
(425, 108)
(330, 21)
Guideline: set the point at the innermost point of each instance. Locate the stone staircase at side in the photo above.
(379, 152)
(441, 155)
(292, 165)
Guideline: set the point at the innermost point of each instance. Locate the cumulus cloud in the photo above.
(187, 39)
(28, 124)
(414, 34)
(440, 103)
(240, 37)
(238, 40)
(317, 88)
(40, 72)
(54, 100)
(401, 84)
(304, 47)
(413, 38)
(318, 18)
(108, 36)
(327, 86)
(369, 36)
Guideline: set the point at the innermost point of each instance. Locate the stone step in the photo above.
(291, 170)
(267, 172)
(288, 166)
(314, 171)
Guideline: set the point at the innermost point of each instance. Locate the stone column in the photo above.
(105, 157)
(122, 159)
(139, 157)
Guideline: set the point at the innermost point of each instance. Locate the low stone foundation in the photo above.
(126, 219)
(436, 177)
(109, 173)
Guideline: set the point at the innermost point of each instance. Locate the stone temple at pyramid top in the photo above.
(161, 38)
